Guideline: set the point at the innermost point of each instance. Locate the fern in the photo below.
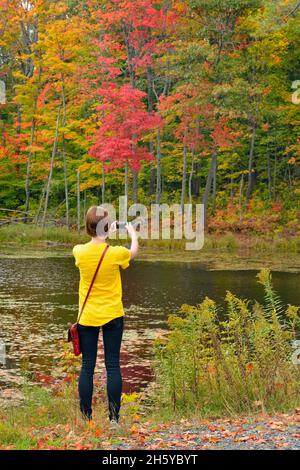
(273, 304)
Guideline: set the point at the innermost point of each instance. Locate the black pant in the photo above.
(112, 337)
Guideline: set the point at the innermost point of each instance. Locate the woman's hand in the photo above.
(130, 229)
(113, 227)
(134, 239)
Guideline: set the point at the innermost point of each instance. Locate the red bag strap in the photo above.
(92, 282)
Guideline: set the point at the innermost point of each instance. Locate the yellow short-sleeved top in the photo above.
(105, 300)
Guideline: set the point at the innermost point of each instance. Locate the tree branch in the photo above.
(296, 8)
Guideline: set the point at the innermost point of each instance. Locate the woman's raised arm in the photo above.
(134, 240)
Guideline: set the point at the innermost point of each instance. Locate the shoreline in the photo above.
(211, 259)
(227, 251)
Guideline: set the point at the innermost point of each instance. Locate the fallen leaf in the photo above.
(98, 432)
(210, 438)
(246, 438)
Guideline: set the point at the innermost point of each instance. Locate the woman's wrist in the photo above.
(134, 240)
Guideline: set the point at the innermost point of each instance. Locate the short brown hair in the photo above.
(93, 216)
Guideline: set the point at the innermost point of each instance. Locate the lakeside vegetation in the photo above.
(233, 361)
(29, 235)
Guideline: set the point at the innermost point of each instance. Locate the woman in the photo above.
(103, 309)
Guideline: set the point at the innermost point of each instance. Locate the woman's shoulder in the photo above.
(117, 248)
(79, 248)
(121, 255)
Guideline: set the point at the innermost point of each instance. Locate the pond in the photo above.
(38, 298)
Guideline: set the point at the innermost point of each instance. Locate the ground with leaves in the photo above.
(48, 418)
(279, 432)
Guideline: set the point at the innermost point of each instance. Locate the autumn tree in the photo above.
(125, 120)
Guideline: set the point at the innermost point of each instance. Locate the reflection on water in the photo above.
(38, 298)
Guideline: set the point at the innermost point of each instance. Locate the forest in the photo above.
(163, 101)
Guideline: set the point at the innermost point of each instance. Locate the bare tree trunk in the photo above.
(158, 163)
(27, 193)
(190, 188)
(209, 180)
(134, 186)
(196, 184)
(183, 183)
(214, 183)
(191, 177)
(84, 202)
(250, 163)
(152, 182)
(126, 181)
(54, 149)
(103, 185)
(41, 204)
(241, 196)
(78, 201)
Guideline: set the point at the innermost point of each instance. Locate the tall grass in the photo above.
(26, 234)
(236, 365)
(32, 235)
(41, 409)
(48, 416)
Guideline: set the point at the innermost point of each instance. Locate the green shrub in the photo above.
(237, 365)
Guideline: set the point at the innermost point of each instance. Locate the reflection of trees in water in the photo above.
(136, 369)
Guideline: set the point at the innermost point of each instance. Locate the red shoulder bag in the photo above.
(73, 334)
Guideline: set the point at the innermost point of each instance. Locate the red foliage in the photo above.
(124, 123)
(231, 219)
(135, 31)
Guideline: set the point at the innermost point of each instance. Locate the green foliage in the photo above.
(237, 361)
